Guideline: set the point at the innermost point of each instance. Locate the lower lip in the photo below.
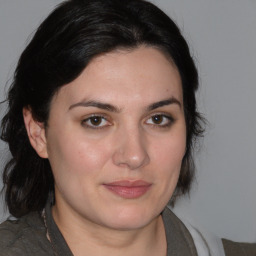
(128, 192)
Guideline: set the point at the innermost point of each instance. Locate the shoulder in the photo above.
(178, 236)
(238, 249)
(207, 243)
(24, 236)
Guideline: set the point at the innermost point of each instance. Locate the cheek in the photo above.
(170, 151)
(168, 155)
(92, 155)
(166, 159)
(73, 154)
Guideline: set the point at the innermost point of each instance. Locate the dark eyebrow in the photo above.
(111, 108)
(96, 104)
(164, 103)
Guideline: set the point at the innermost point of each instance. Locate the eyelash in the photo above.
(167, 118)
(91, 126)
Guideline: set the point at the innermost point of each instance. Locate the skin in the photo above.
(135, 138)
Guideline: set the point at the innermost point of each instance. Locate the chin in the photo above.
(128, 225)
(130, 219)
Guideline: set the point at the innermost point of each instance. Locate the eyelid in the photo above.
(95, 127)
(170, 118)
(167, 123)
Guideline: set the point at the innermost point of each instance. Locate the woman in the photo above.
(101, 125)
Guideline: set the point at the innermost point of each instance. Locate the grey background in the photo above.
(222, 37)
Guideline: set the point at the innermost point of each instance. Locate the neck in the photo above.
(83, 236)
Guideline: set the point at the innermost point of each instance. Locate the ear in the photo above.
(36, 133)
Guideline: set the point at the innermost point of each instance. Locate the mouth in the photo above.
(128, 189)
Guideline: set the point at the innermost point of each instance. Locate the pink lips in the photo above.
(128, 189)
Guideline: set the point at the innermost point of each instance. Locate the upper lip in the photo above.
(129, 183)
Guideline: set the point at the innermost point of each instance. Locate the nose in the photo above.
(131, 151)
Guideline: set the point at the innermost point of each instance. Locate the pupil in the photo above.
(96, 120)
(158, 119)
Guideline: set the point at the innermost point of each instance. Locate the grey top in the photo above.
(27, 236)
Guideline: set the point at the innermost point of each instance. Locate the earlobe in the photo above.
(36, 133)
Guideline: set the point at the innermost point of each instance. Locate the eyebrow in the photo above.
(111, 108)
(96, 104)
(162, 103)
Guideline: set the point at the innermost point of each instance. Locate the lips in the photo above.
(128, 189)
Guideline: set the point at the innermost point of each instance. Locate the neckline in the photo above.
(179, 240)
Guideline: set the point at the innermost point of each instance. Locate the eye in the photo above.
(160, 120)
(95, 122)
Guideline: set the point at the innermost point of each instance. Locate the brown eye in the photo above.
(95, 122)
(157, 119)
(160, 120)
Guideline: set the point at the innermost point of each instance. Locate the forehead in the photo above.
(139, 75)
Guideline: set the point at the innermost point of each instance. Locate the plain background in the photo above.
(222, 38)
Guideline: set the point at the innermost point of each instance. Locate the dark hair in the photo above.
(72, 35)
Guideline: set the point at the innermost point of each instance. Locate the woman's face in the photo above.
(116, 137)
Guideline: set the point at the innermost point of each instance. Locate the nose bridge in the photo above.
(131, 150)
